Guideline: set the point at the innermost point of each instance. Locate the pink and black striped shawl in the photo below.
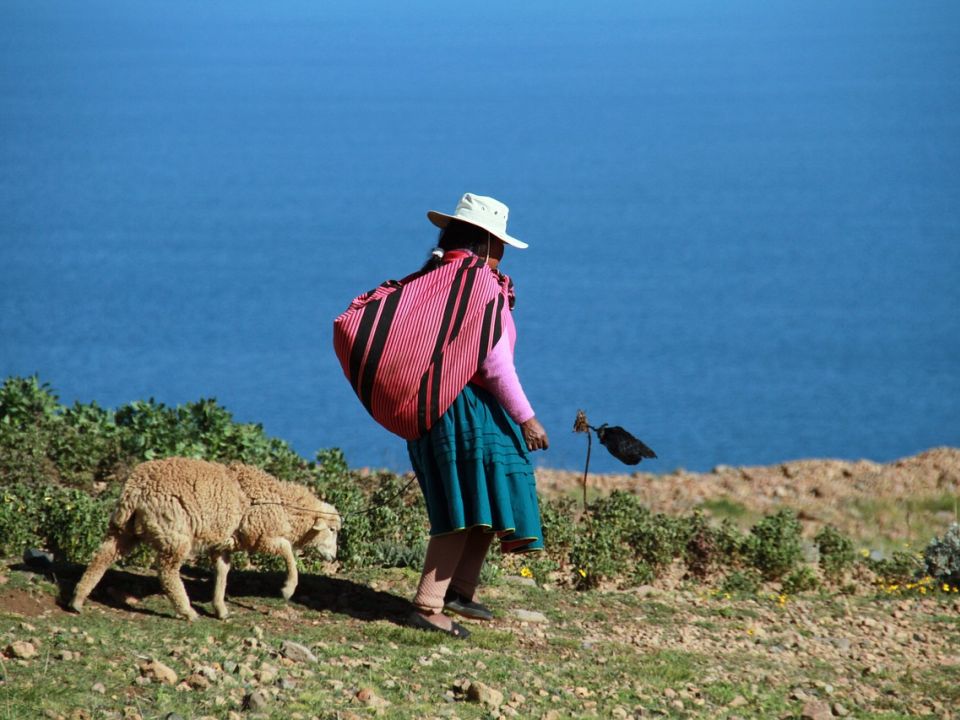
(409, 347)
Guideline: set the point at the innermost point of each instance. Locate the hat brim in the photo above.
(441, 220)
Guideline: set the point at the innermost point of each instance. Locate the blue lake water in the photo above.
(744, 217)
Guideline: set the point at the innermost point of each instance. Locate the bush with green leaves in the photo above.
(742, 583)
(43, 441)
(619, 538)
(773, 546)
(801, 579)
(74, 523)
(20, 519)
(836, 552)
(383, 515)
(900, 568)
(203, 429)
(942, 557)
(55, 462)
(28, 418)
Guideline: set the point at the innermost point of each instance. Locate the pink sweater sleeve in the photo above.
(499, 375)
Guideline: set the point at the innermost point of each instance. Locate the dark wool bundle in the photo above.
(622, 445)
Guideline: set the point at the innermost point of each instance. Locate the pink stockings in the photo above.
(453, 562)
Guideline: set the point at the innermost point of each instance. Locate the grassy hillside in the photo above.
(814, 589)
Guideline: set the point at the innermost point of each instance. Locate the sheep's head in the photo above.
(326, 525)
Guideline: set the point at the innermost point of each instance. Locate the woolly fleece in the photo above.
(179, 505)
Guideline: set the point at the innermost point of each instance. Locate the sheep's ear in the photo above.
(321, 524)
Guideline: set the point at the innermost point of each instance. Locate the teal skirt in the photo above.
(474, 470)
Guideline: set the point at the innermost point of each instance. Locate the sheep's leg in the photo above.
(221, 560)
(173, 552)
(112, 549)
(281, 546)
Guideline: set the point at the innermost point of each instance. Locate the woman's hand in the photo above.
(534, 435)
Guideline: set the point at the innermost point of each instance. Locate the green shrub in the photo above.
(802, 579)
(743, 582)
(773, 546)
(559, 520)
(619, 538)
(86, 446)
(384, 517)
(836, 552)
(600, 548)
(702, 552)
(74, 523)
(28, 419)
(942, 557)
(19, 520)
(203, 429)
(731, 544)
(66, 521)
(900, 568)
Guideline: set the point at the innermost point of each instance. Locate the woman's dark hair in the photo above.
(459, 235)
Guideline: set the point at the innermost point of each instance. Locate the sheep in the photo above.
(177, 504)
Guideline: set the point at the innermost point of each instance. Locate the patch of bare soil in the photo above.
(23, 603)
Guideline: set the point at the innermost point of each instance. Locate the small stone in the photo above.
(815, 710)
(198, 681)
(738, 701)
(21, 650)
(266, 674)
(157, 671)
(230, 667)
(839, 710)
(99, 688)
(670, 693)
(369, 698)
(531, 616)
(64, 655)
(297, 652)
(482, 693)
(255, 701)
(173, 716)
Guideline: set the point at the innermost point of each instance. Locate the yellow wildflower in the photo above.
(526, 572)
(583, 573)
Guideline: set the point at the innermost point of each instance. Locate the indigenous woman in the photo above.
(431, 358)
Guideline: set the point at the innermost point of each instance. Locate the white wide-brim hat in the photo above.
(484, 212)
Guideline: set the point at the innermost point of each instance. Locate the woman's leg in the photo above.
(466, 577)
(443, 557)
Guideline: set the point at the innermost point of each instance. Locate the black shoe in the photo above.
(455, 602)
(421, 623)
